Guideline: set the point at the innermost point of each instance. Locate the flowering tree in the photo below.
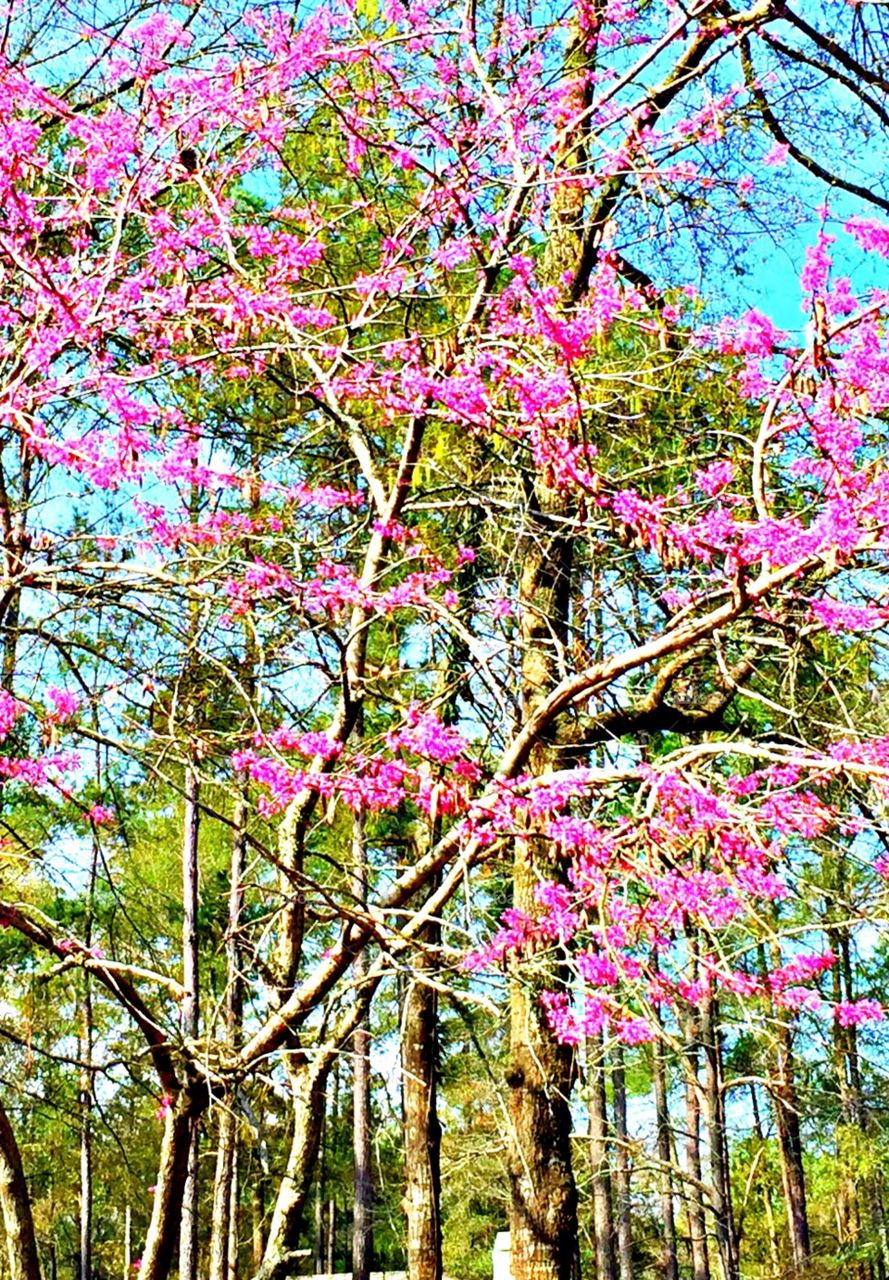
(362, 486)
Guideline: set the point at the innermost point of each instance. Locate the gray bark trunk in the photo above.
(422, 1133)
(603, 1213)
(188, 1237)
(622, 1168)
(18, 1223)
(669, 1262)
(362, 1212)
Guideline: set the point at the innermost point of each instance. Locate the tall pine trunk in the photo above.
(783, 1089)
(422, 1132)
(224, 1231)
(697, 1225)
(362, 1211)
(720, 1176)
(18, 1223)
(543, 1218)
(181, 1116)
(188, 1237)
(85, 1096)
(668, 1267)
(308, 1081)
(603, 1214)
(622, 1177)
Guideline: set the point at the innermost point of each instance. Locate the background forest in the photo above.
(443, 529)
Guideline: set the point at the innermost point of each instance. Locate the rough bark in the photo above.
(331, 1237)
(603, 1215)
(223, 1187)
(720, 1179)
(188, 1238)
(362, 1212)
(308, 1081)
(180, 1120)
(543, 1216)
(422, 1132)
(320, 1202)
(18, 1223)
(223, 1259)
(783, 1089)
(697, 1227)
(768, 1211)
(85, 1095)
(669, 1262)
(622, 1175)
(85, 1098)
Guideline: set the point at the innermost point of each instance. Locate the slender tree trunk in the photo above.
(18, 1223)
(188, 1238)
(669, 1262)
(774, 1249)
(223, 1188)
(257, 1217)
(225, 1209)
(234, 1221)
(308, 1082)
(127, 1242)
(716, 1141)
(422, 1133)
(330, 1255)
(362, 1215)
(320, 1189)
(790, 1147)
(86, 1073)
(86, 1133)
(331, 1236)
(622, 1175)
(181, 1115)
(603, 1216)
(697, 1226)
(544, 1244)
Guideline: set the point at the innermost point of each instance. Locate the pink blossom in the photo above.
(855, 1012)
(777, 156)
(10, 710)
(65, 705)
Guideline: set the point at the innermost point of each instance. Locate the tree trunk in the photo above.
(330, 1248)
(257, 1217)
(697, 1226)
(543, 1215)
(790, 1147)
(223, 1186)
(320, 1189)
(308, 1082)
(603, 1216)
(224, 1226)
(716, 1141)
(21, 1245)
(622, 1168)
(669, 1262)
(127, 1242)
(544, 1243)
(86, 1136)
(188, 1237)
(331, 1236)
(85, 1096)
(422, 1132)
(362, 1214)
(181, 1116)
